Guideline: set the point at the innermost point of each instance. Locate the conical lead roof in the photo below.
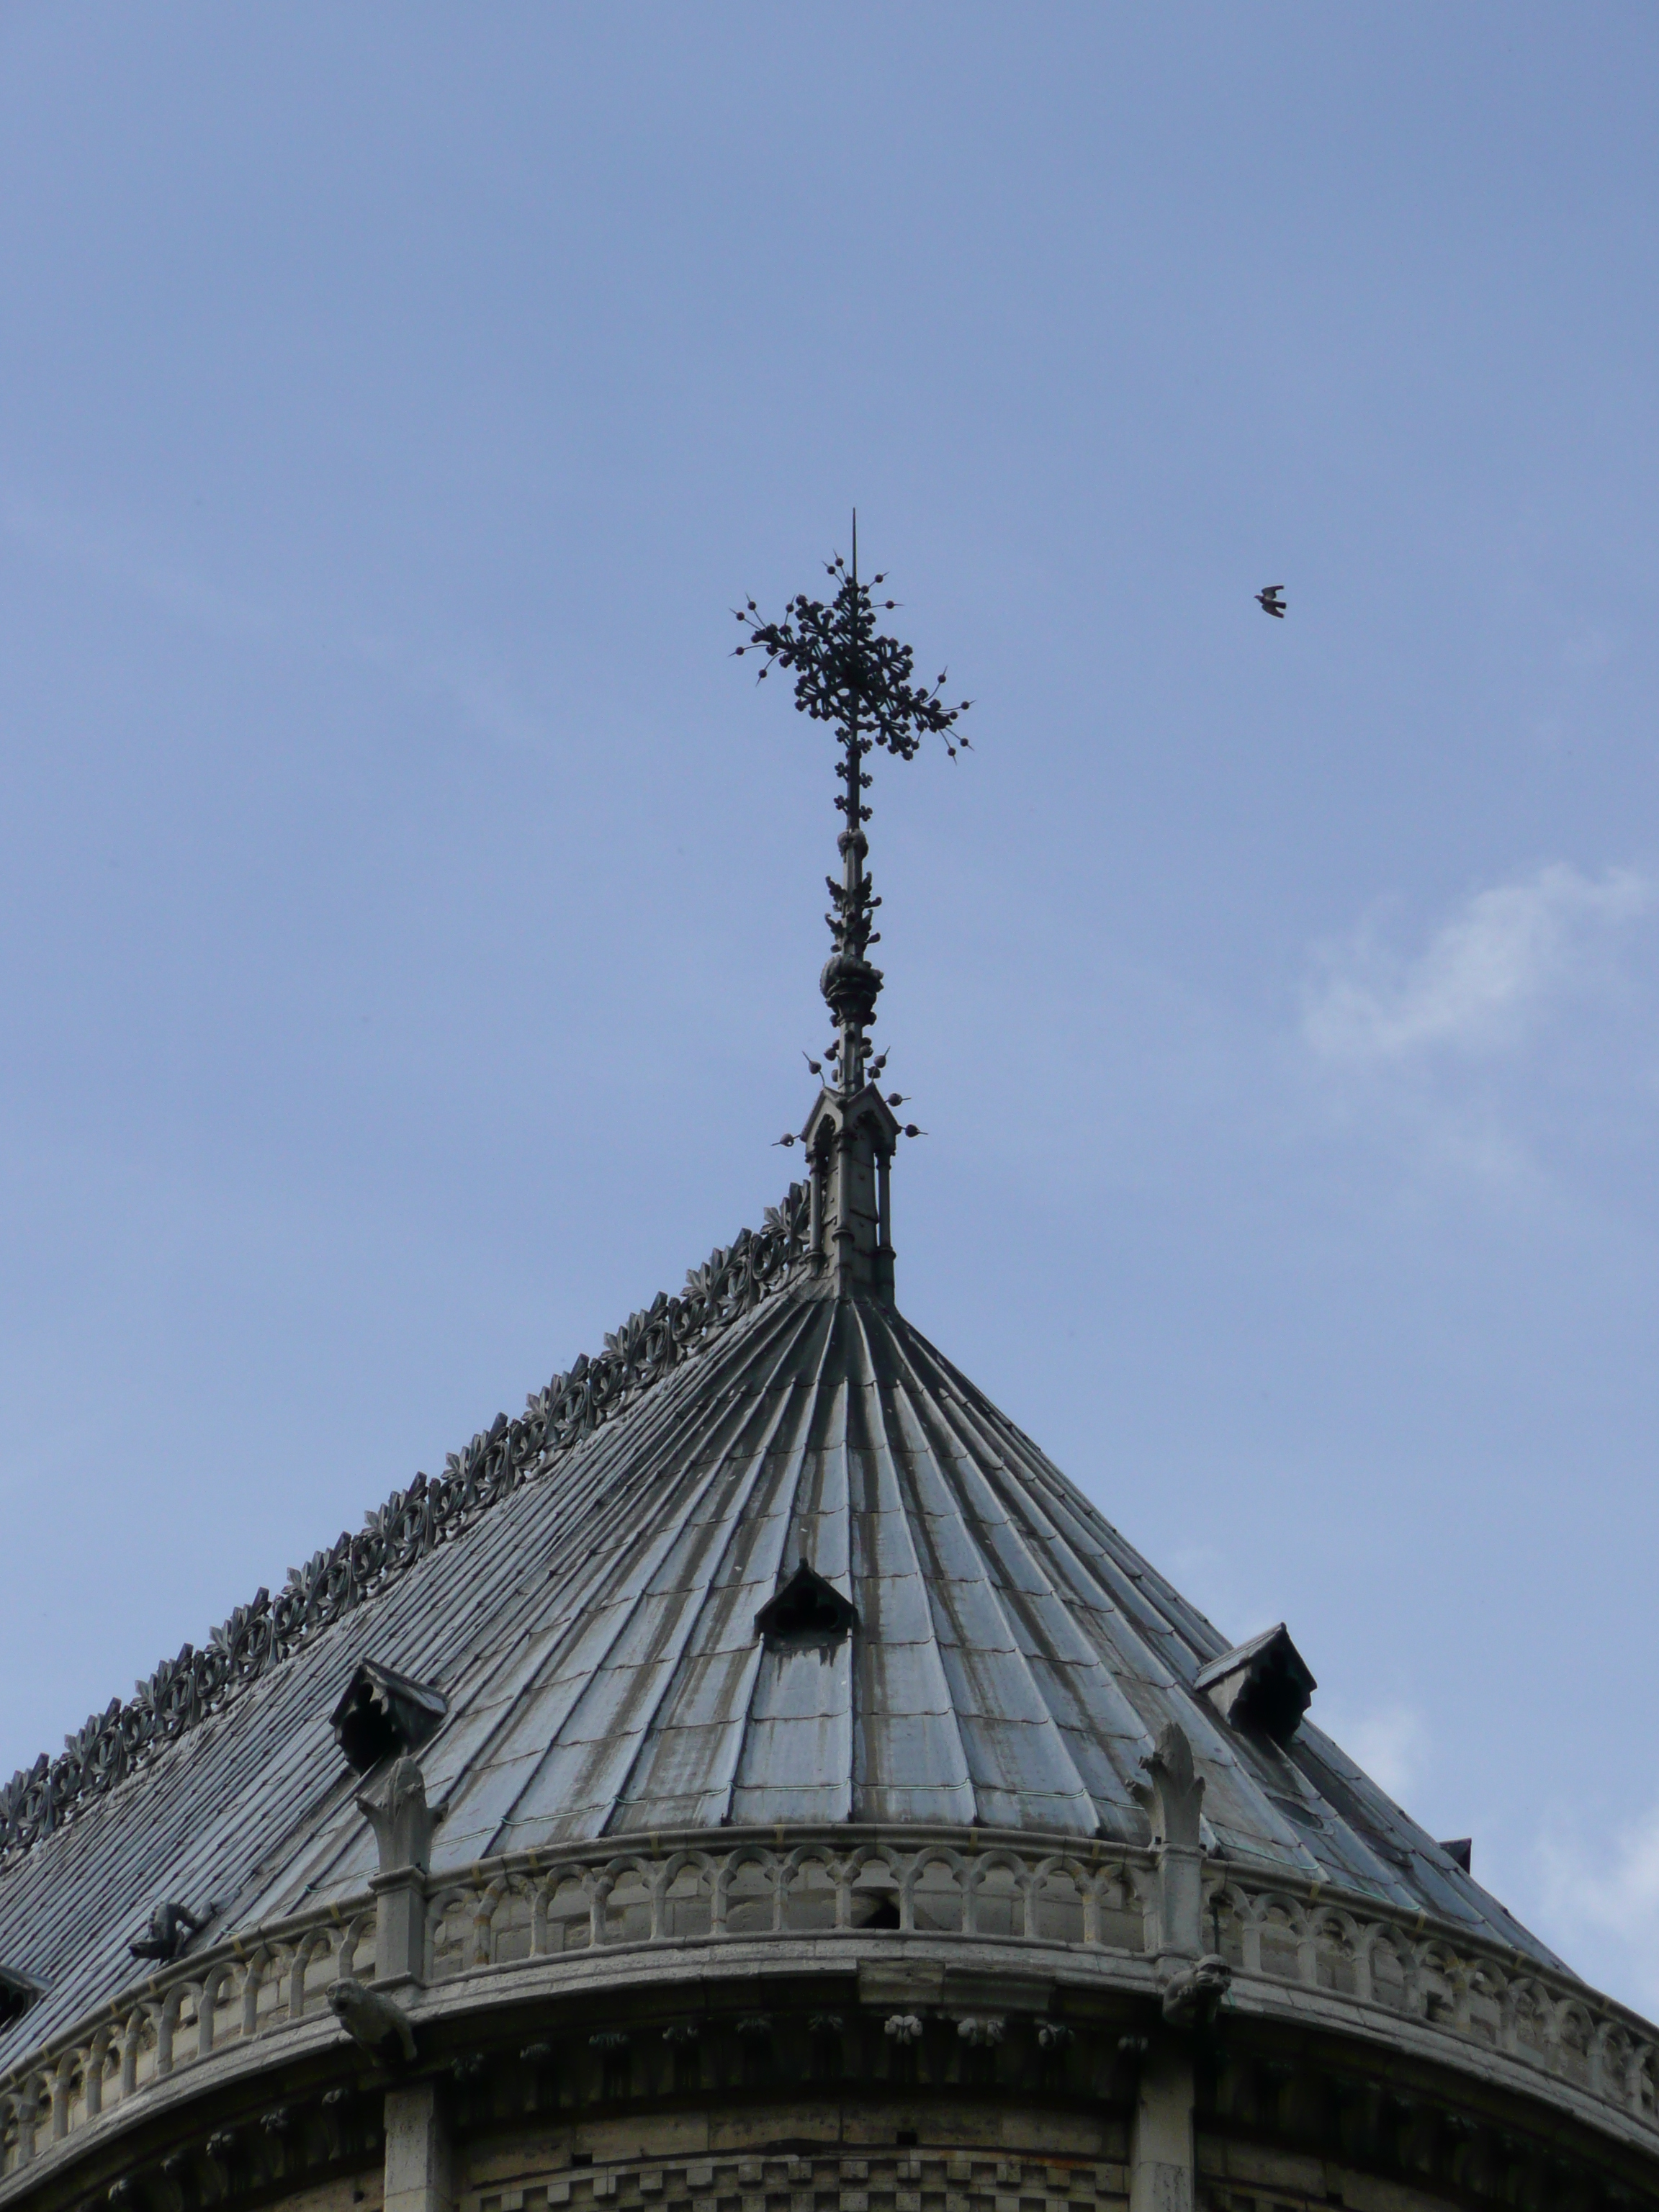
(770, 1562)
(594, 1636)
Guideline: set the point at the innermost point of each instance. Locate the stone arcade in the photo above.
(755, 1780)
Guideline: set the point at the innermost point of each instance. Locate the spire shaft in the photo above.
(855, 902)
(859, 682)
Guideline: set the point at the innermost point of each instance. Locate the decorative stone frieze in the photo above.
(927, 2179)
(580, 1920)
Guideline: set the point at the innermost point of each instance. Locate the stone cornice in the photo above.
(685, 1907)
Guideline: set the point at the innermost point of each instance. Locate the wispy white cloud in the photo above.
(1209, 1576)
(1391, 1743)
(119, 557)
(479, 699)
(1486, 978)
(1604, 1900)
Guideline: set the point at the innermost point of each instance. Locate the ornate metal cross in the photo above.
(848, 674)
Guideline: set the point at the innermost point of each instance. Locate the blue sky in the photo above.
(412, 917)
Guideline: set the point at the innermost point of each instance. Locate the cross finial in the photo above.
(848, 674)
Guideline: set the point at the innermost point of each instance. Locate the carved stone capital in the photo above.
(1174, 1796)
(1174, 1789)
(402, 1820)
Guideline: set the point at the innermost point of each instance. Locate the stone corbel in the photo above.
(403, 1823)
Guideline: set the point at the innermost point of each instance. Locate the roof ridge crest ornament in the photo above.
(434, 1510)
(851, 675)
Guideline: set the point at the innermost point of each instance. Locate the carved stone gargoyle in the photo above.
(170, 1927)
(1193, 1997)
(374, 2022)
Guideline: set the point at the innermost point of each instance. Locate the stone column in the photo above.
(403, 1823)
(419, 2174)
(1161, 2154)
(1161, 2149)
(419, 2163)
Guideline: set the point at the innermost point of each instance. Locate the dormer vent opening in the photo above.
(806, 1606)
(384, 1712)
(17, 1993)
(1265, 1684)
(1461, 1851)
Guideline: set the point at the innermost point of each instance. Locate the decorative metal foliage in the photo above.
(847, 672)
(433, 1511)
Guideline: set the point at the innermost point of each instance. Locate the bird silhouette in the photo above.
(1271, 600)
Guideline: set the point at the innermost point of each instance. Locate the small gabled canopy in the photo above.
(1265, 1684)
(383, 1711)
(17, 1993)
(807, 1605)
(832, 1112)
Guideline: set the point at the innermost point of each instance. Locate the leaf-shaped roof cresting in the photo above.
(181, 1692)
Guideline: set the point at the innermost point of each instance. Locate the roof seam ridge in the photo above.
(685, 1629)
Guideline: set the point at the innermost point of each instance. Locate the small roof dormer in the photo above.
(1265, 1684)
(383, 1711)
(806, 1605)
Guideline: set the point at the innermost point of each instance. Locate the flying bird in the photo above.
(1271, 601)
